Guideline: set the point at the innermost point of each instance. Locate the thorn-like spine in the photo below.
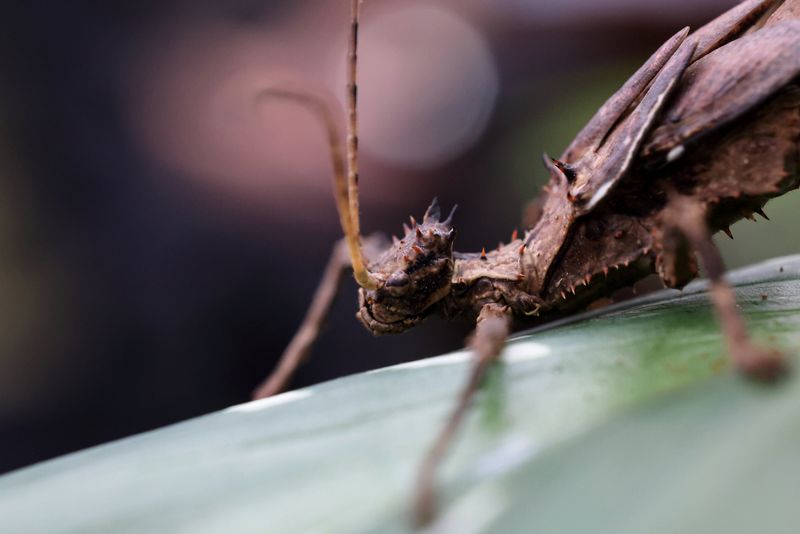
(760, 211)
(567, 170)
(395, 240)
(533, 312)
(483, 254)
(433, 213)
(449, 220)
(419, 233)
(406, 229)
(514, 235)
(727, 230)
(522, 249)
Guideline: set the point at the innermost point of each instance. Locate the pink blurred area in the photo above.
(192, 100)
(161, 232)
(429, 80)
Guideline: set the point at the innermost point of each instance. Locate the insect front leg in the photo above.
(491, 331)
(299, 348)
(685, 229)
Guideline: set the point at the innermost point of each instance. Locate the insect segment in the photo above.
(415, 274)
(703, 134)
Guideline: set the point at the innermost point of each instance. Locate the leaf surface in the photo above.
(625, 420)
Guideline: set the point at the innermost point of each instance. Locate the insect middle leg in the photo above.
(492, 329)
(685, 229)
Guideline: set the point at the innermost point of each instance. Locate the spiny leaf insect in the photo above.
(702, 135)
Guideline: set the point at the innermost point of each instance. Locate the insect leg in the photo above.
(684, 219)
(299, 348)
(493, 327)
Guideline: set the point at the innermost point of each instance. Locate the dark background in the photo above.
(160, 235)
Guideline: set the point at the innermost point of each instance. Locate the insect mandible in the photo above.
(702, 135)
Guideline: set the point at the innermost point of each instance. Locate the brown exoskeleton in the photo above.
(703, 134)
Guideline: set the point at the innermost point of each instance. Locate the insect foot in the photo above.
(414, 275)
(761, 364)
(684, 220)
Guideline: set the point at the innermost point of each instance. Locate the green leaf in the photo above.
(628, 420)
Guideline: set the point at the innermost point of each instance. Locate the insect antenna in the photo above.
(363, 276)
(345, 174)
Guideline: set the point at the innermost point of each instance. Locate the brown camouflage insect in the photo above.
(702, 135)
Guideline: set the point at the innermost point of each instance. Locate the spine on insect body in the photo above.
(679, 127)
(730, 146)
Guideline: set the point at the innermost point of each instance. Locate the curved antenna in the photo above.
(363, 276)
(322, 111)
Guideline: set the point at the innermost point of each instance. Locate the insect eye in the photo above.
(398, 279)
(459, 287)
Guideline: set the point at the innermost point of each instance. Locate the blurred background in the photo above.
(161, 234)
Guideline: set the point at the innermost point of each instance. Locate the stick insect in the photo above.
(702, 135)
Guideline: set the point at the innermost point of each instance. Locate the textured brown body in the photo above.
(703, 134)
(728, 136)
